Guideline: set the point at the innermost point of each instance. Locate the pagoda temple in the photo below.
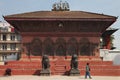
(60, 33)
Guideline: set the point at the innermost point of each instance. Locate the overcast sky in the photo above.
(109, 7)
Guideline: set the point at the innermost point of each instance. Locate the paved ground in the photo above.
(27, 77)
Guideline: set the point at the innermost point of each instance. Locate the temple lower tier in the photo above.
(60, 46)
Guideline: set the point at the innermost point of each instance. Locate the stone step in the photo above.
(60, 63)
(98, 68)
(82, 72)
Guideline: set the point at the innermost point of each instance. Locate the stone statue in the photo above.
(45, 62)
(74, 66)
(45, 66)
(74, 62)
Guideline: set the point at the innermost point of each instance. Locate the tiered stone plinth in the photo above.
(74, 72)
(45, 72)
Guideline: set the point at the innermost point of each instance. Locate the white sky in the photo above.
(109, 7)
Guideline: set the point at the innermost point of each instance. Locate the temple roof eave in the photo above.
(59, 15)
(56, 19)
(21, 23)
(109, 32)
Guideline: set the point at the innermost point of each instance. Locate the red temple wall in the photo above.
(27, 39)
(93, 41)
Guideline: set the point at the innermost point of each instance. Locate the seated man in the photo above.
(8, 72)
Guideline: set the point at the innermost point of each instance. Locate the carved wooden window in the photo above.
(36, 47)
(72, 47)
(48, 47)
(60, 47)
(84, 47)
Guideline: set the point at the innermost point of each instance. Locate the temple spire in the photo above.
(60, 6)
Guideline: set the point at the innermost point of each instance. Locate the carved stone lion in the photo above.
(74, 66)
(74, 62)
(45, 62)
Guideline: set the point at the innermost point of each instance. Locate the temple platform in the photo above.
(61, 66)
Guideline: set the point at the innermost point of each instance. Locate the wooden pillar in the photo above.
(108, 44)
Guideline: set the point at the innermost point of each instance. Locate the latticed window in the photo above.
(13, 46)
(72, 47)
(12, 37)
(4, 37)
(4, 29)
(84, 47)
(60, 47)
(48, 47)
(4, 46)
(35, 47)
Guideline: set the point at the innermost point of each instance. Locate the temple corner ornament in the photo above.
(60, 6)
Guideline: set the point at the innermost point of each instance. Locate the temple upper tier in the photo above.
(78, 19)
